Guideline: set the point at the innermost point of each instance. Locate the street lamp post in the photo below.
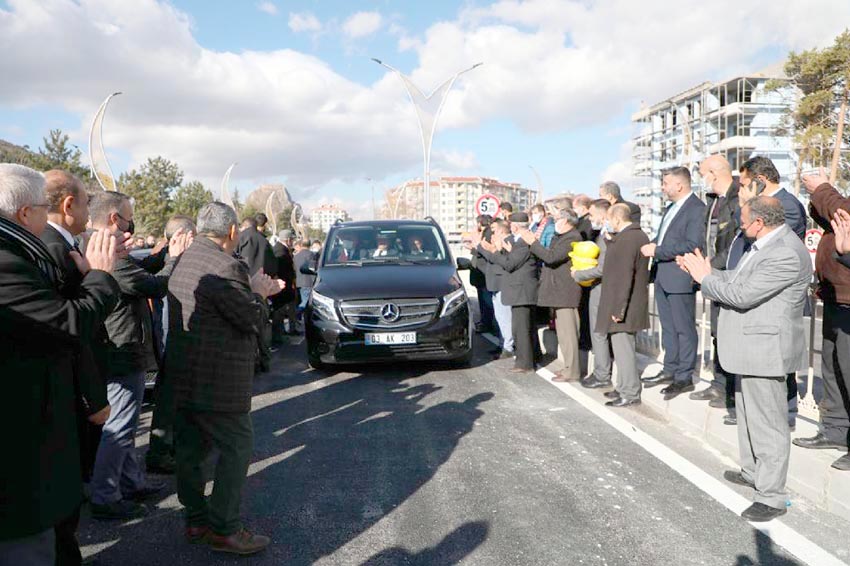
(539, 184)
(427, 111)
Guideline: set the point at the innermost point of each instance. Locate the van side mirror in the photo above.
(307, 270)
(464, 263)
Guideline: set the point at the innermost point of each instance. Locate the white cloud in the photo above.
(362, 24)
(550, 65)
(304, 21)
(267, 7)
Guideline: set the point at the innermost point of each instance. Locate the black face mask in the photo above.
(131, 227)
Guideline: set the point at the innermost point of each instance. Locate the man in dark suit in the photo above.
(284, 304)
(118, 482)
(493, 276)
(581, 206)
(682, 231)
(610, 191)
(303, 281)
(254, 248)
(41, 332)
(762, 170)
(518, 288)
(759, 177)
(624, 306)
(215, 316)
(478, 278)
(66, 218)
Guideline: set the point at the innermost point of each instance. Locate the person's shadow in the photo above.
(456, 546)
(765, 554)
(328, 464)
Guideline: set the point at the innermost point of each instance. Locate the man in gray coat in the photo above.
(761, 320)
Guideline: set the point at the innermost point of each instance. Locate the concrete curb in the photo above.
(810, 473)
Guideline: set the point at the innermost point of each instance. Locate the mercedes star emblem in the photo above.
(390, 312)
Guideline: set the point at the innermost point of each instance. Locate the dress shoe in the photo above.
(657, 379)
(819, 441)
(706, 394)
(562, 377)
(241, 542)
(738, 478)
(593, 383)
(730, 420)
(612, 394)
(118, 510)
(164, 465)
(675, 389)
(842, 463)
(197, 535)
(722, 402)
(620, 402)
(149, 490)
(759, 512)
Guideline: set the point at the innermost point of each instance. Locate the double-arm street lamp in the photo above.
(427, 111)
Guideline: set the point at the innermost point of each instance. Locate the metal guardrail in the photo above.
(649, 343)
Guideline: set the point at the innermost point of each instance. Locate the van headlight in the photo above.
(453, 301)
(324, 307)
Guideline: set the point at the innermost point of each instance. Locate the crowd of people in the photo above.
(215, 286)
(742, 247)
(68, 279)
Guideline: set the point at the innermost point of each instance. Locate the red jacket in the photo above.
(834, 278)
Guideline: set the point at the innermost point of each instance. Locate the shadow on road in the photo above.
(328, 464)
(765, 554)
(451, 550)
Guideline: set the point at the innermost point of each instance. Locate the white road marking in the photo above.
(783, 535)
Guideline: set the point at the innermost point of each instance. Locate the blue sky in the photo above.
(287, 88)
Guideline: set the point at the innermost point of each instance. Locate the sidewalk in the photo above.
(810, 473)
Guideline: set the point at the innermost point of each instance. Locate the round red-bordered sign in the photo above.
(812, 239)
(487, 204)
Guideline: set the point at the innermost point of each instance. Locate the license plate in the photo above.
(390, 339)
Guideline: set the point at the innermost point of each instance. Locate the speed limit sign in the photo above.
(812, 239)
(487, 204)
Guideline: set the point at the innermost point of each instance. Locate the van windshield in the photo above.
(360, 245)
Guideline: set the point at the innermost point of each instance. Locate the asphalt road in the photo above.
(435, 465)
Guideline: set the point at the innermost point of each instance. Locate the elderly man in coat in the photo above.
(216, 312)
(559, 290)
(761, 320)
(624, 305)
(41, 334)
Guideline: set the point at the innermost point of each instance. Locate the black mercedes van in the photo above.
(387, 291)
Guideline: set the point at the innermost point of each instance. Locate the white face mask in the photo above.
(537, 217)
(316, 249)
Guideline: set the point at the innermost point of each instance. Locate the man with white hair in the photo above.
(41, 333)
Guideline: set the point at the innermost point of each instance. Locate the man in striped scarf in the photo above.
(40, 337)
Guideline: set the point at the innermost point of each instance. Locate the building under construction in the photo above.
(738, 118)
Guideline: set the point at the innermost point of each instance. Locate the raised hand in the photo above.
(815, 180)
(841, 227)
(100, 253)
(697, 265)
(179, 242)
(527, 236)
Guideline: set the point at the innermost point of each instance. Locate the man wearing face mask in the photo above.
(542, 226)
(682, 231)
(118, 482)
(624, 306)
(759, 329)
(558, 290)
(581, 206)
(722, 220)
(759, 176)
(599, 342)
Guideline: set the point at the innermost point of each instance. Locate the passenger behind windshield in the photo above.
(360, 245)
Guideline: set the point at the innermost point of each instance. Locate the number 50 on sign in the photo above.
(487, 204)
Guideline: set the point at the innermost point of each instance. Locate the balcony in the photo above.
(748, 142)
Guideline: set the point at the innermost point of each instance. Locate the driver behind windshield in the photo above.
(383, 249)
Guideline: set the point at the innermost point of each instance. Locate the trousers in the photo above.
(764, 439)
(503, 319)
(195, 434)
(835, 405)
(677, 313)
(116, 468)
(599, 342)
(628, 377)
(567, 328)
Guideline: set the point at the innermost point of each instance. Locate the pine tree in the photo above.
(151, 187)
(190, 198)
